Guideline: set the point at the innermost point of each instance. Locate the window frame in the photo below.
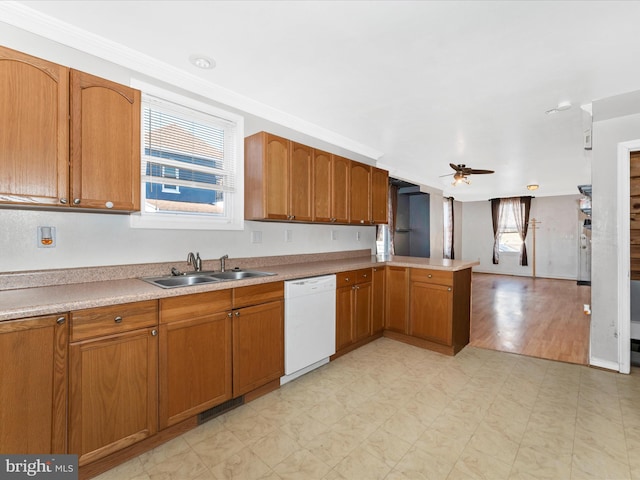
(234, 220)
(511, 229)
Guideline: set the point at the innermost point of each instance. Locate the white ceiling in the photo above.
(424, 83)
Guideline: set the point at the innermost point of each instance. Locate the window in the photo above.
(191, 164)
(509, 240)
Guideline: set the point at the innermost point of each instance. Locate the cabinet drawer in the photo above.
(255, 294)
(364, 275)
(96, 322)
(346, 278)
(187, 307)
(441, 277)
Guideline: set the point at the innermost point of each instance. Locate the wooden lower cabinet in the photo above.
(378, 300)
(258, 346)
(354, 295)
(195, 354)
(33, 353)
(397, 299)
(113, 379)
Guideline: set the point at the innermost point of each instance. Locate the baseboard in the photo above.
(604, 364)
(526, 275)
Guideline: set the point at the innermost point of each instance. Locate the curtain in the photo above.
(448, 251)
(521, 208)
(495, 217)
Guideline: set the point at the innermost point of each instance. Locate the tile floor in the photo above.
(393, 411)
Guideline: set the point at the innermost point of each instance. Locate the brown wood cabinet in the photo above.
(105, 144)
(397, 299)
(354, 291)
(113, 387)
(195, 354)
(278, 179)
(33, 390)
(289, 181)
(379, 195)
(258, 336)
(67, 138)
(378, 301)
(360, 191)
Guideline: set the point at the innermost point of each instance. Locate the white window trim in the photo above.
(183, 221)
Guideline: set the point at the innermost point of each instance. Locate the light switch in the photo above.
(256, 236)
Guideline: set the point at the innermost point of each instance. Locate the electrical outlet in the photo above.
(334, 235)
(358, 236)
(256, 236)
(288, 236)
(46, 237)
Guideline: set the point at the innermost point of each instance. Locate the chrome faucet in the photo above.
(222, 259)
(195, 261)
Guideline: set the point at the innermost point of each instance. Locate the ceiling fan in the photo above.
(462, 172)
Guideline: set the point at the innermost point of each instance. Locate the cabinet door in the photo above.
(276, 171)
(258, 346)
(195, 366)
(340, 175)
(377, 302)
(34, 130)
(379, 194)
(112, 393)
(321, 186)
(344, 316)
(105, 144)
(33, 400)
(301, 186)
(430, 312)
(397, 299)
(362, 310)
(360, 190)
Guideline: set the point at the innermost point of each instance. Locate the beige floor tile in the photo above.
(360, 463)
(387, 447)
(474, 464)
(304, 429)
(420, 465)
(332, 446)
(184, 466)
(202, 432)
(491, 441)
(250, 426)
(533, 463)
(162, 453)
(244, 465)
(275, 447)
(302, 464)
(592, 464)
(445, 445)
(132, 470)
(405, 426)
(217, 448)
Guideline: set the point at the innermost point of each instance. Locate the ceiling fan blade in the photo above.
(447, 175)
(455, 167)
(478, 172)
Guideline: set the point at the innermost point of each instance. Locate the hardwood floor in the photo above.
(538, 317)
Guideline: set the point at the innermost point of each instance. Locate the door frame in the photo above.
(624, 255)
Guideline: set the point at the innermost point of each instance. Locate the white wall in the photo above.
(93, 239)
(616, 120)
(556, 238)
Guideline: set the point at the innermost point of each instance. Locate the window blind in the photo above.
(184, 147)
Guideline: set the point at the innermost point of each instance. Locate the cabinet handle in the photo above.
(76, 201)
(361, 221)
(449, 289)
(63, 201)
(118, 319)
(237, 314)
(154, 332)
(364, 275)
(293, 217)
(346, 279)
(109, 204)
(60, 320)
(229, 314)
(429, 275)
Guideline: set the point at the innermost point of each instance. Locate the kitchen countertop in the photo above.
(46, 300)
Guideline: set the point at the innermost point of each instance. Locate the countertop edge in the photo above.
(60, 299)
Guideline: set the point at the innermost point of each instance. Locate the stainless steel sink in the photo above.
(239, 274)
(199, 278)
(180, 281)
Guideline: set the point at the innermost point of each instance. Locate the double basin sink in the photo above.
(200, 278)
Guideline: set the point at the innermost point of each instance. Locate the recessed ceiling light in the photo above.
(533, 186)
(203, 62)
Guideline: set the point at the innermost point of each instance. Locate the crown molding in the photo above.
(20, 16)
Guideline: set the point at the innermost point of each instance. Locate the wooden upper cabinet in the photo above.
(33, 390)
(301, 183)
(340, 184)
(105, 144)
(379, 195)
(360, 192)
(322, 166)
(34, 130)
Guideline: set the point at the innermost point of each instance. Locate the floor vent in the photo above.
(220, 409)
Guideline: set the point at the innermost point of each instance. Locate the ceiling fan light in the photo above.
(533, 186)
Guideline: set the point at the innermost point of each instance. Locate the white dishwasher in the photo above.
(309, 324)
